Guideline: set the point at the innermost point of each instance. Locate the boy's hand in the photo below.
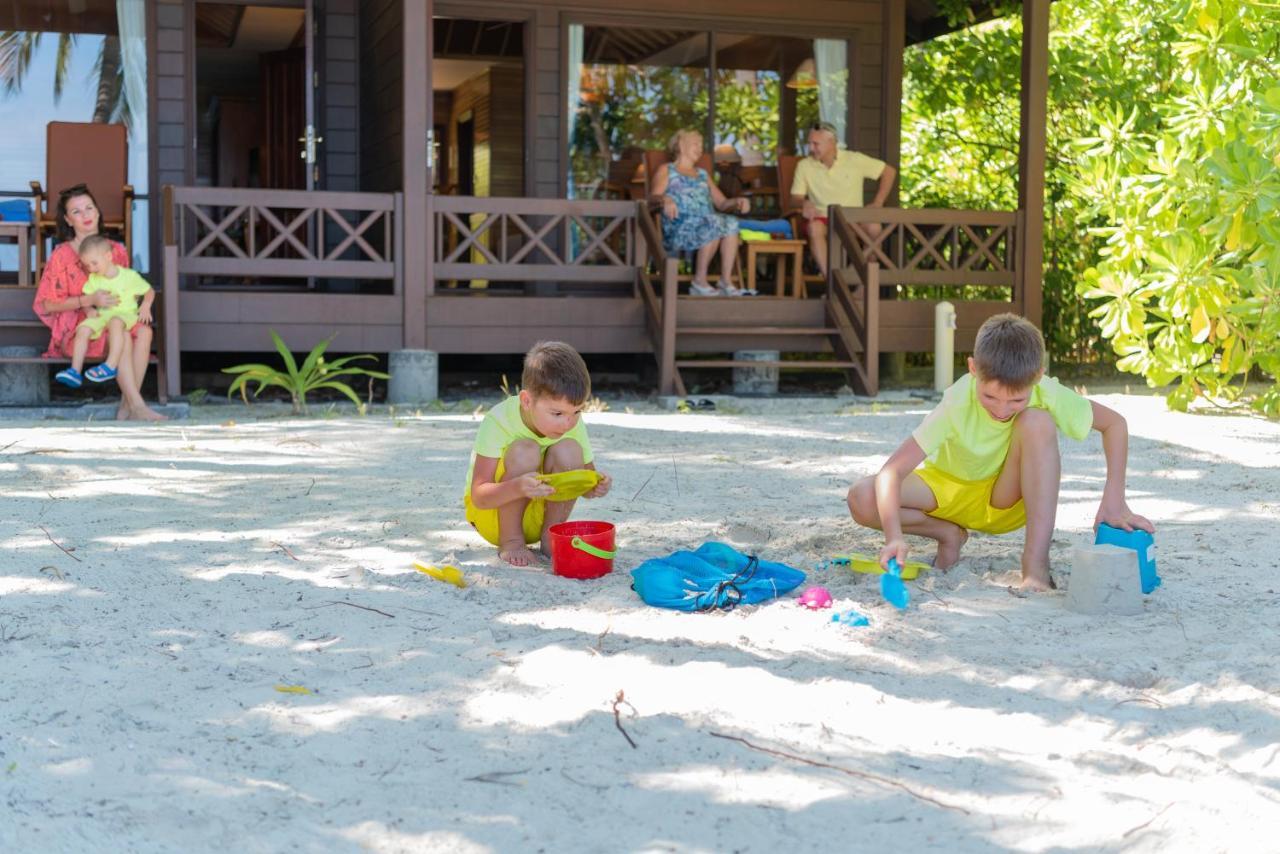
(602, 488)
(529, 486)
(144, 315)
(1118, 515)
(894, 549)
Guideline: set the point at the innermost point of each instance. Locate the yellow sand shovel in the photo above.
(447, 574)
(569, 485)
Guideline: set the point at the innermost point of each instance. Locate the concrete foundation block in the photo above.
(755, 380)
(1104, 581)
(23, 385)
(415, 376)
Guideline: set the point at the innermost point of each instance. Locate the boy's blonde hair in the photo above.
(1009, 350)
(94, 243)
(554, 369)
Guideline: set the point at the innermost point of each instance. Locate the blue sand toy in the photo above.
(892, 588)
(715, 576)
(1142, 543)
(850, 618)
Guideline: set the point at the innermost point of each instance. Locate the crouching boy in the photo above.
(990, 458)
(538, 431)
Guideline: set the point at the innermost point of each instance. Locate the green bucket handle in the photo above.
(583, 546)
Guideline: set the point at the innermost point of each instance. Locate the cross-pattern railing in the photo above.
(222, 231)
(534, 239)
(938, 247)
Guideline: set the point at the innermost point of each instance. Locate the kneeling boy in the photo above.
(991, 461)
(540, 430)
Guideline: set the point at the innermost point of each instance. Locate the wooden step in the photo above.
(756, 330)
(20, 324)
(729, 363)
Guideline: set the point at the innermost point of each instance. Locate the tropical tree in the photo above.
(18, 48)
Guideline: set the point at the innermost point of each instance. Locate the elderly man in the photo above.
(833, 176)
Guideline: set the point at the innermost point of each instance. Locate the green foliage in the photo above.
(1161, 177)
(314, 374)
(1185, 184)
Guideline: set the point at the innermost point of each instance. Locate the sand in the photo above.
(209, 561)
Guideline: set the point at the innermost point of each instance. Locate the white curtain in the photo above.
(830, 56)
(574, 87)
(131, 18)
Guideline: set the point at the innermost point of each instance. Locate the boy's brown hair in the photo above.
(94, 243)
(1009, 350)
(554, 369)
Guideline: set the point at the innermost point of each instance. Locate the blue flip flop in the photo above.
(69, 377)
(100, 373)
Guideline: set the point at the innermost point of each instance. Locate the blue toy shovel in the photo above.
(892, 588)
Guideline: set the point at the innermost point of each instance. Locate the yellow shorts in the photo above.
(486, 521)
(967, 503)
(98, 324)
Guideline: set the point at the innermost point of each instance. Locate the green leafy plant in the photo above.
(315, 373)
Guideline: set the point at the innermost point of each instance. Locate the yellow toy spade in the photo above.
(447, 574)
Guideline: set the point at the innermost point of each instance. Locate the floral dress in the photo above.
(65, 279)
(696, 223)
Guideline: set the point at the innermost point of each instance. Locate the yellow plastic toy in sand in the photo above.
(569, 485)
(871, 566)
(447, 574)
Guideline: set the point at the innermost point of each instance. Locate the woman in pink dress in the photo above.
(60, 301)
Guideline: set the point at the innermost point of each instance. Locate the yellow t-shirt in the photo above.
(839, 185)
(962, 439)
(503, 425)
(128, 286)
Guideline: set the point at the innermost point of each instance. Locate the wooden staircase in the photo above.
(836, 324)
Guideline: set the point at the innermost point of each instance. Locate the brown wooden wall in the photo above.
(381, 83)
(338, 98)
(495, 102)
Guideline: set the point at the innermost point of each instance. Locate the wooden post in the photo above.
(1031, 152)
(171, 344)
(667, 358)
(894, 46)
(419, 230)
(871, 314)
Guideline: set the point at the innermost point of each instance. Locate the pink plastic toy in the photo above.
(815, 598)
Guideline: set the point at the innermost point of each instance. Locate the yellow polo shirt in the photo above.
(839, 185)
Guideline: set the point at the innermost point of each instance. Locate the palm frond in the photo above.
(16, 48)
(62, 65)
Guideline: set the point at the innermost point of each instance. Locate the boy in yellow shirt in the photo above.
(116, 320)
(991, 461)
(538, 431)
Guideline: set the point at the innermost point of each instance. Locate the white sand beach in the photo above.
(157, 583)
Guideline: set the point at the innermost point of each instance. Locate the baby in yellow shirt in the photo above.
(990, 458)
(116, 320)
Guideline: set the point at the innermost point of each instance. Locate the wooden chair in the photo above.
(93, 154)
(655, 159)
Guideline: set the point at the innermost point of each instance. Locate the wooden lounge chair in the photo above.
(655, 159)
(93, 154)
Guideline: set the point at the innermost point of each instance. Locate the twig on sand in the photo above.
(1133, 830)
(643, 485)
(863, 775)
(57, 573)
(361, 607)
(565, 774)
(59, 545)
(309, 488)
(675, 471)
(10, 445)
(617, 717)
(497, 777)
(285, 549)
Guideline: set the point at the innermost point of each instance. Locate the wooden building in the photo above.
(466, 177)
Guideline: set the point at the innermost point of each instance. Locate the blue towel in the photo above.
(16, 210)
(777, 227)
(714, 576)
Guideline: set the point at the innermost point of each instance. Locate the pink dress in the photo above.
(65, 279)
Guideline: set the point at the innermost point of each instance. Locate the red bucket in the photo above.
(582, 549)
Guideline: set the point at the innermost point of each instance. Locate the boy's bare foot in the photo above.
(949, 549)
(1036, 583)
(139, 413)
(516, 554)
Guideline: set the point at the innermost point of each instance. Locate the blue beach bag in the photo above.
(714, 576)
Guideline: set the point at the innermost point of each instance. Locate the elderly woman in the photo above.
(692, 218)
(60, 301)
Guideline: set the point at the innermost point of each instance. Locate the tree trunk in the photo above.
(108, 80)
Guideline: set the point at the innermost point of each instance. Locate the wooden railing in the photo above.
(660, 307)
(513, 239)
(224, 231)
(251, 233)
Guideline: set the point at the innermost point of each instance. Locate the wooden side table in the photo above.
(781, 248)
(20, 233)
